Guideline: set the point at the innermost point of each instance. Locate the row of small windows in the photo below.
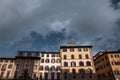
(116, 72)
(47, 68)
(28, 54)
(100, 67)
(7, 76)
(73, 57)
(81, 71)
(51, 76)
(4, 67)
(73, 64)
(52, 55)
(7, 61)
(72, 49)
(101, 60)
(115, 63)
(115, 56)
(82, 77)
(52, 61)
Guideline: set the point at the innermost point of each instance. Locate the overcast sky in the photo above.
(44, 25)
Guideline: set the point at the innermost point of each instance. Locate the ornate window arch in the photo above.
(81, 63)
(65, 64)
(81, 71)
(73, 63)
(88, 63)
(73, 71)
(72, 57)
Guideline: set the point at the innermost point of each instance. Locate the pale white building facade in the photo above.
(7, 67)
(50, 66)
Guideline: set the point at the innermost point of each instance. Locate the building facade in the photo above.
(71, 63)
(107, 65)
(27, 64)
(50, 66)
(7, 67)
(77, 63)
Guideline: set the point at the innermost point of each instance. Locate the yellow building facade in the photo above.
(107, 65)
(77, 63)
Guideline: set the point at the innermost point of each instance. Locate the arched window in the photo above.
(65, 57)
(52, 76)
(81, 63)
(47, 55)
(46, 76)
(47, 68)
(52, 68)
(65, 64)
(72, 56)
(88, 63)
(3, 67)
(73, 63)
(42, 60)
(66, 71)
(80, 56)
(41, 68)
(10, 66)
(47, 61)
(58, 60)
(86, 56)
(89, 71)
(81, 71)
(58, 68)
(53, 61)
(73, 71)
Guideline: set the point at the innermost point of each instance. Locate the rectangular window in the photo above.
(6, 60)
(115, 56)
(85, 49)
(58, 55)
(29, 54)
(118, 56)
(11, 61)
(53, 55)
(41, 68)
(47, 55)
(79, 49)
(71, 49)
(42, 55)
(17, 66)
(36, 61)
(8, 73)
(27, 67)
(111, 56)
(2, 73)
(64, 50)
(42, 60)
(3, 67)
(10, 66)
(65, 57)
(37, 54)
(20, 54)
(35, 67)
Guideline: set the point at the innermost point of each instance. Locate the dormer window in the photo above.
(85, 49)
(71, 49)
(79, 49)
(64, 50)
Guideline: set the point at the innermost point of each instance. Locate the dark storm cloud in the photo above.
(84, 21)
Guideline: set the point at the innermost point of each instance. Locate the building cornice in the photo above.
(75, 46)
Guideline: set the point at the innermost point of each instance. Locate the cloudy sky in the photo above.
(44, 25)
